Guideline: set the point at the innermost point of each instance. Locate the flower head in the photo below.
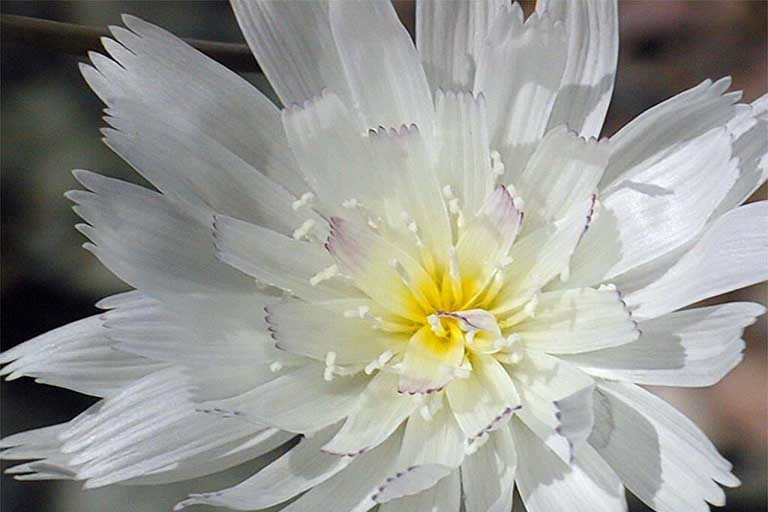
(426, 265)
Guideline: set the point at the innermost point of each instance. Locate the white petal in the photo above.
(661, 205)
(275, 259)
(547, 484)
(293, 44)
(429, 362)
(298, 400)
(556, 402)
(189, 165)
(150, 241)
(486, 400)
(376, 415)
(519, 87)
(732, 253)
(450, 35)
(436, 440)
(672, 463)
(694, 347)
(381, 269)
(488, 475)
(750, 146)
(315, 329)
(150, 427)
(461, 128)
(402, 157)
(381, 64)
(354, 488)
(540, 256)
(445, 496)
(79, 356)
(592, 28)
(488, 237)
(332, 154)
(578, 320)
(299, 470)
(154, 69)
(674, 121)
(563, 171)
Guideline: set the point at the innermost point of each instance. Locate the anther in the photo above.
(304, 200)
(350, 204)
(303, 230)
(324, 275)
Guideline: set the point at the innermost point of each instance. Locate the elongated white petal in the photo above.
(275, 259)
(750, 146)
(674, 121)
(445, 496)
(154, 69)
(376, 415)
(732, 253)
(151, 427)
(486, 400)
(293, 44)
(487, 476)
(150, 241)
(550, 485)
(563, 171)
(578, 320)
(381, 64)
(520, 89)
(299, 470)
(485, 243)
(381, 269)
(355, 488)
(592, 29)
(402, 156)
(694, 347)
(451, 34)
(78, 356)
(192, 166)
(429, 362)
(297, 400)
(662, 205)
(332, 153)
(556, 402)
(461, 129)
(315, 329)
(434, 439)
(540, 256)
(673, 464)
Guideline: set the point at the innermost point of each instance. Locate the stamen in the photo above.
(350, 204)
(530, 308)
(463, 371)
(304, 200)
(453, 206)
(362, 312)
(303, 230)
(497, 166)
(330, 359)
(401, 271)
(276, 366)
(436, 325)
(379, 362)
(324, 275)
(506, 261)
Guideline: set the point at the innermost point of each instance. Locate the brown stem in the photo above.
(74, 39)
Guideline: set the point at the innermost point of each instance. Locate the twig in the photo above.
(74, 39)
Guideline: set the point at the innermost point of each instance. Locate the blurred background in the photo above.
(49, 125)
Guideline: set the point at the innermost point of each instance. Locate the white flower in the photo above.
(464, 287)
